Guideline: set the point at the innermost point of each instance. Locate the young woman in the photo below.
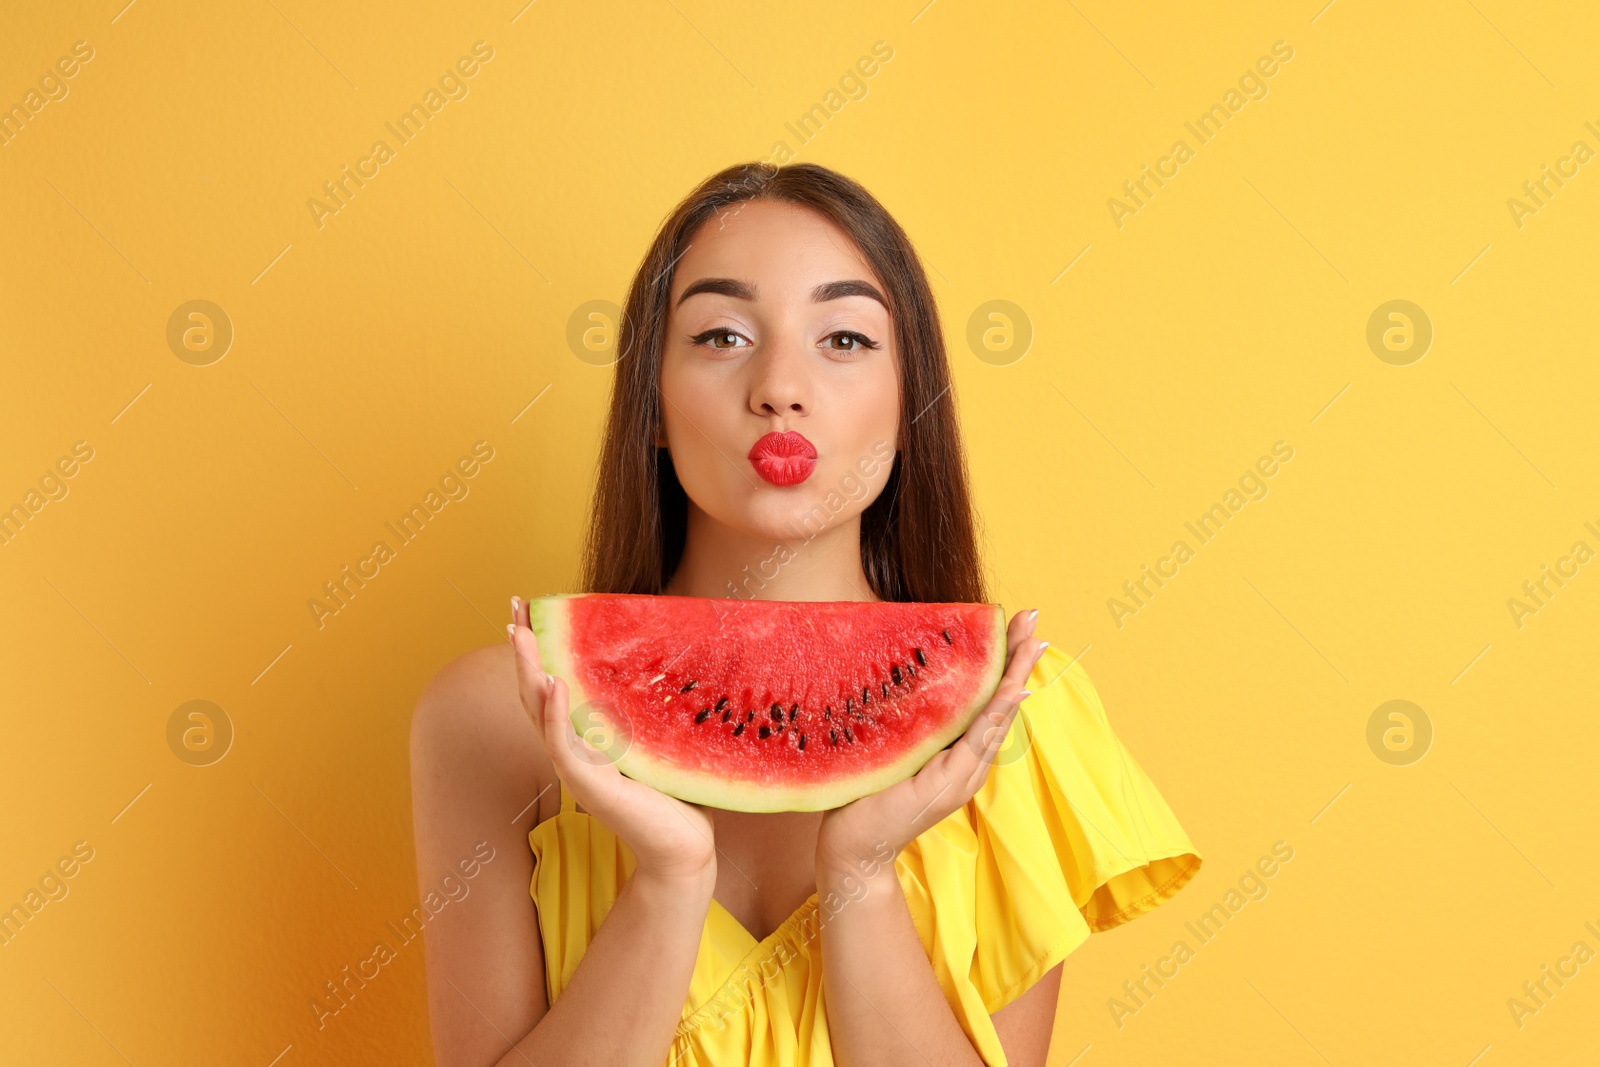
(781, 426)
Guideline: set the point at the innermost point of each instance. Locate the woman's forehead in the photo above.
(773, 251)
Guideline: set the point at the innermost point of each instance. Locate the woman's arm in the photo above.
(626, 997)
(885, 1007)
(1024, 1026)
(475, 768)
(477, 762)
(884, 1004)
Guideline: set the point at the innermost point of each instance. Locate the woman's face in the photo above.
(777, 326)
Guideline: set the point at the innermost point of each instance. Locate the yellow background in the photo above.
(1229, 313)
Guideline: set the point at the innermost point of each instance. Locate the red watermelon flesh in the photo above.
(766, 705)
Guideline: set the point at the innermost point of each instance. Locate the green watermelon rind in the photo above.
(547, 617)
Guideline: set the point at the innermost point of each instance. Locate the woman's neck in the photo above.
(719, 561)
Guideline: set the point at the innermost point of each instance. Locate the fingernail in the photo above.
(551, 679)
(513, 609)
(1025, 694)
(1043, 645)
(511, 631)
(1033, 617)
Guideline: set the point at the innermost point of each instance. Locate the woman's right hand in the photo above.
(668, 837)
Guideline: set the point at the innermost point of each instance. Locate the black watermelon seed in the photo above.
(848, 703)
(793, 712)
(946, 635)
(749, 715)
(833, 736)
(737, 730)
(725, 715)
(922, 661)
(765, 731)
(911, 670)
(802, 741)
(722, 703)
(827, 713)
(894, 672)
(688, 687)
(703, 715)
(866, 696)
(885, 688)
(847, 736)
(777, 712)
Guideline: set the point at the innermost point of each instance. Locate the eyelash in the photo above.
(863, 342)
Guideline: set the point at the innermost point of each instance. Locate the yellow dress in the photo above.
(1066, 836)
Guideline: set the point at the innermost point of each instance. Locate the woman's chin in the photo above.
(795, 517)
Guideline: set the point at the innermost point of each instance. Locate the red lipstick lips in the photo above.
(784, 458)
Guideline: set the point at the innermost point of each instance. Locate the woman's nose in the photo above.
(782, 384)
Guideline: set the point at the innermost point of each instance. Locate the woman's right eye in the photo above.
(711, 338)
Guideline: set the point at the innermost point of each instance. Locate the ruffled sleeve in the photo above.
(1067, 836)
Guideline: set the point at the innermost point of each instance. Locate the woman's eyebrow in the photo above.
(746, 291)
(726, 286)
(853, 287)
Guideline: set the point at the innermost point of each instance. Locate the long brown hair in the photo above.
(918, 539)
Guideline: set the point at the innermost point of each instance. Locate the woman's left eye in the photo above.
(859, 341)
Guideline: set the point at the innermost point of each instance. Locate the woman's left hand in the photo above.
(856, 837)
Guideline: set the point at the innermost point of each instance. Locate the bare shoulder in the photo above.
(487, 671)
(470, 732)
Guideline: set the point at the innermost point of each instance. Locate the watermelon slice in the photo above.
(767, 705)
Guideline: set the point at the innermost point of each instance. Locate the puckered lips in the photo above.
(784, 458)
